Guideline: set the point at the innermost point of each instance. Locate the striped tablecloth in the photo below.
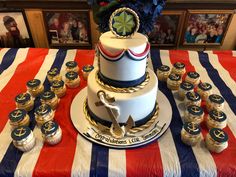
(75, 156)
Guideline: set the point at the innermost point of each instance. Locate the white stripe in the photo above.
(28, 160)
(117, 163)
(2, 53)
(224, 74)
(234, 53)
(7, 74)
(231, 117)
(169, 156)
(203, 156)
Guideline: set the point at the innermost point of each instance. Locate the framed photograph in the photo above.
(14, 29)
(206, 27)
(69, 29)
(167, 28)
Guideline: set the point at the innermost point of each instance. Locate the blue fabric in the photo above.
(8, 59)
(188, 163)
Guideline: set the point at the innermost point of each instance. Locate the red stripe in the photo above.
(109, 54)
(144, 53)
(17, 84)
(228, 61)
(144, 161)
(225, 162)
(57, 160)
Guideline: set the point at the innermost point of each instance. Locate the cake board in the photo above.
(91, 133)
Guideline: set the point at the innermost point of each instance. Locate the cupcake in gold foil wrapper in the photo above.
(19, 117)
(216, 102)
(23, 138)
(59, 88)
(72, 66)
(35, 87)
(72, 79)
(86, 70)
(174, 81)
(43, 114)
(193, 78)
(193, 114)
(179, 68)
(53, 74)
(163, 72)
(190, 133)
(216, 140)
(192, 98)
(50, 98)
(204, 90)
(24, 101)
(216, 119)
(51, 132)
(184, 88)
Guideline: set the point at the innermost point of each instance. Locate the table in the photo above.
(75, 156)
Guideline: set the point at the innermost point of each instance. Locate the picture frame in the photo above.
(167, 29)
(14, 29)
(206, 27)
(68, 28)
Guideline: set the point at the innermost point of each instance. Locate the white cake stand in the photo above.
(90, 132)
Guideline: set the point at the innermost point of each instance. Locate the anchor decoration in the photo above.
(116, 130)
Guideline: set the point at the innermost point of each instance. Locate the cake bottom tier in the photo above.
(140, 105)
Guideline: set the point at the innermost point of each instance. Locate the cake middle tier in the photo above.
(140, 104)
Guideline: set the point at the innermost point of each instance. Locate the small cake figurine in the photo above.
(215, 101)
(184, 88)
(193, 78)
(193, 114)
(216, 119)
(86, 70)
(163, 72)
(24, 101)
(190, 133)
(216, 140)
(35, 87)
(72, 79)
(43, 113)
(173, 81)
(53, 74)
(178, 68)
(23, 138)
(59, 88)
(204, 90)
(72, 66)
(50, 98)
(19, 117)
(192, 98)
(51, 132)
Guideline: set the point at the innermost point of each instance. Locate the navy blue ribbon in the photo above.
(8, 59)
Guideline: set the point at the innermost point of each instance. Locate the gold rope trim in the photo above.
(131, 131)
(123, 90)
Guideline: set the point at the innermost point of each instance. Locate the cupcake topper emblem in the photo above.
(17, 113)
(219, 134)
(49, 126)
(20, 132)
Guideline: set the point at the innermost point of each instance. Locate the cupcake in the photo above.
(204, 90)
(193, 114)
(50, 98)
(23, 138)
(51, 132)
(53, 74)
(35, 87)
(19, 117)
(173, 81)
(163, 72)
(43, 114)
(193, 78)
(216, 119)
(72, 79)
(24, 101)
(59, 88)
(72, 66)
(215, 101)
(178, 68)
(216, 140)
(190, 133)
(192, 98)
(184, 88)
(86, 70)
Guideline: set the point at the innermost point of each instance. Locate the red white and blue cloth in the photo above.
(75, 156)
